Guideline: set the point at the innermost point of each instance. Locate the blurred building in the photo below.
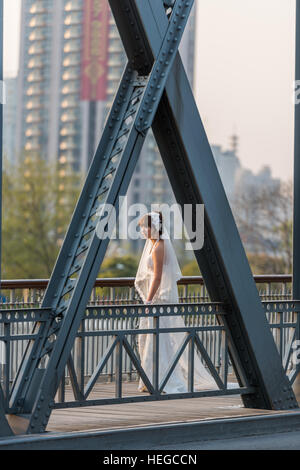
(61, 92)
(9, 119)
(235, 178)
(71, 62)
(263, 178)
(228, 166)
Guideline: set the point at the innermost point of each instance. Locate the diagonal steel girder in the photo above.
(83, 250)
(194, 177)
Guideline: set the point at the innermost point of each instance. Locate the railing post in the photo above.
(6, 376)
(119, 363)
(155, 369)
(224, 357)
(79, 357)
(191, 369)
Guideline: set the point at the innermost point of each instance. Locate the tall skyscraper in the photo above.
(71, 62)
(67, 74)
(9, 119)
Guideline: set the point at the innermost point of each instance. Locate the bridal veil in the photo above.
(169, 342)
(171, 273)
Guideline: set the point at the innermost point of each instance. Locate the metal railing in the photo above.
(121, 291)
(96, 355)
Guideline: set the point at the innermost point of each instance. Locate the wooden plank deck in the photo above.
(128, 415)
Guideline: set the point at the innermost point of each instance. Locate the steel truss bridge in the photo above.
(154, 92)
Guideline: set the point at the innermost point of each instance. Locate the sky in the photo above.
(245, 62)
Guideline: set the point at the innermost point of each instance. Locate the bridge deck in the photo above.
(145, 413)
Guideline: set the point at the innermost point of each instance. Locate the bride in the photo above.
(156, 283)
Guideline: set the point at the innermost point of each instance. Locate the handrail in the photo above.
(129, 281)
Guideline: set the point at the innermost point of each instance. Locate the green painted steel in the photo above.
(82, 253)
(154, 72)
(194, 177)
(5, 429)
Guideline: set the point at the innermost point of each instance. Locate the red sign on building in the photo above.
(95, 50)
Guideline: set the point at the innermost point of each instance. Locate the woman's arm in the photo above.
(158, 260)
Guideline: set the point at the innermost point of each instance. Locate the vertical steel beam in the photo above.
(296, 212)
(296, 224)
(194, 177)
(5, 429)
(1, 132)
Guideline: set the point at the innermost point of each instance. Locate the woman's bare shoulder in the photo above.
(159, 248)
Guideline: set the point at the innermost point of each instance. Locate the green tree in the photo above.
(264, 216)
(191, 269)
(260, 263)
(38, 201)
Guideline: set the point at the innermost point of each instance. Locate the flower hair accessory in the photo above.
(155, 220)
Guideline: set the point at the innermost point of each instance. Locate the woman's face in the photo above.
(145, 231)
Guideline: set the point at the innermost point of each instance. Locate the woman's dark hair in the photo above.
(147, 222)
(160, 224)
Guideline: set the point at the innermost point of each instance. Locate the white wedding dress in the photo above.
(169, 343)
